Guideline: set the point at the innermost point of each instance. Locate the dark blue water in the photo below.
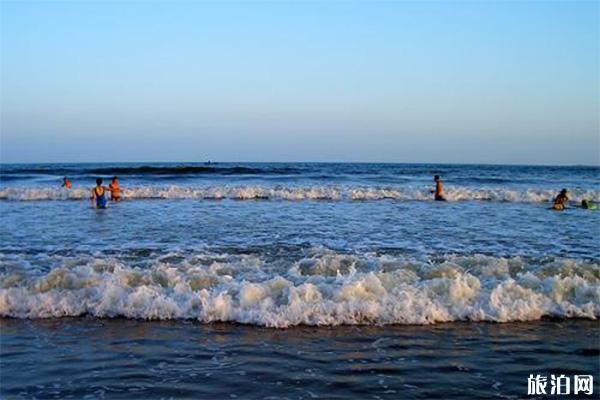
(364, 173)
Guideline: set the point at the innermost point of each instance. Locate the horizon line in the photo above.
(211, 162)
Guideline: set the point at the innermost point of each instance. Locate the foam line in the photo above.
(292, 193)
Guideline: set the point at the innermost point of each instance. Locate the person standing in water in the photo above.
(560, 202)
(115, 190)
(99, 195)
(66, 183)
(439, 191)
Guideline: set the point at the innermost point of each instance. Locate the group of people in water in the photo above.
(99, 198)
(560, 202)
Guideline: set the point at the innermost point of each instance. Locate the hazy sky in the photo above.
(506, 82)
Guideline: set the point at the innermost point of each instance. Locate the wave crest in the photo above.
(327, 288)
(298, 193)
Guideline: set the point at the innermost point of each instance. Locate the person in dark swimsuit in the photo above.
(99, 195)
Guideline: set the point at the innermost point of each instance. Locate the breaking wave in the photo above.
(293, 193)
(325, 288)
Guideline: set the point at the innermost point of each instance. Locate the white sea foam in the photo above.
(293, 193)
(326, 288)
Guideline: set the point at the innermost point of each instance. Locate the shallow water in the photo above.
(120, 359)
(357, 262)
(287, 263)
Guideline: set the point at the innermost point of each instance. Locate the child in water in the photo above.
(115, 190)
(99, 195)
(438, 192)
(587, 206)
(560, 202)
(66, 183)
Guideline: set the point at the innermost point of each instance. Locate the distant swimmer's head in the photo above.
(115, 179)
(98, 181)
(584, 203)
(436, 178)
(564, 191)
(65, 179)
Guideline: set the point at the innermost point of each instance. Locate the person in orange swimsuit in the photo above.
(560, 202)
(115, 190)
(66, 183)
(439, 191)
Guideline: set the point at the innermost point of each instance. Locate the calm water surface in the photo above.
(120, 359)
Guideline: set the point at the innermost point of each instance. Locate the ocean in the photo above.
(296, 281)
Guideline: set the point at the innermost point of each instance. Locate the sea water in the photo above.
(313, 248)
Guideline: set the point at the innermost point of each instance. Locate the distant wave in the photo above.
(187, 169)
(150, 170)
(326, 288)
(15, 177)
(293, 193)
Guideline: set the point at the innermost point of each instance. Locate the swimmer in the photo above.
(115, 190)
(438, 192)
(587, 206)
(99, 195)
(66, 183)
(560, 202)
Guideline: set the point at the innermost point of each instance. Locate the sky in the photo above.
(452, 82)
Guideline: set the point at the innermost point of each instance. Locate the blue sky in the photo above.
(505, 82)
